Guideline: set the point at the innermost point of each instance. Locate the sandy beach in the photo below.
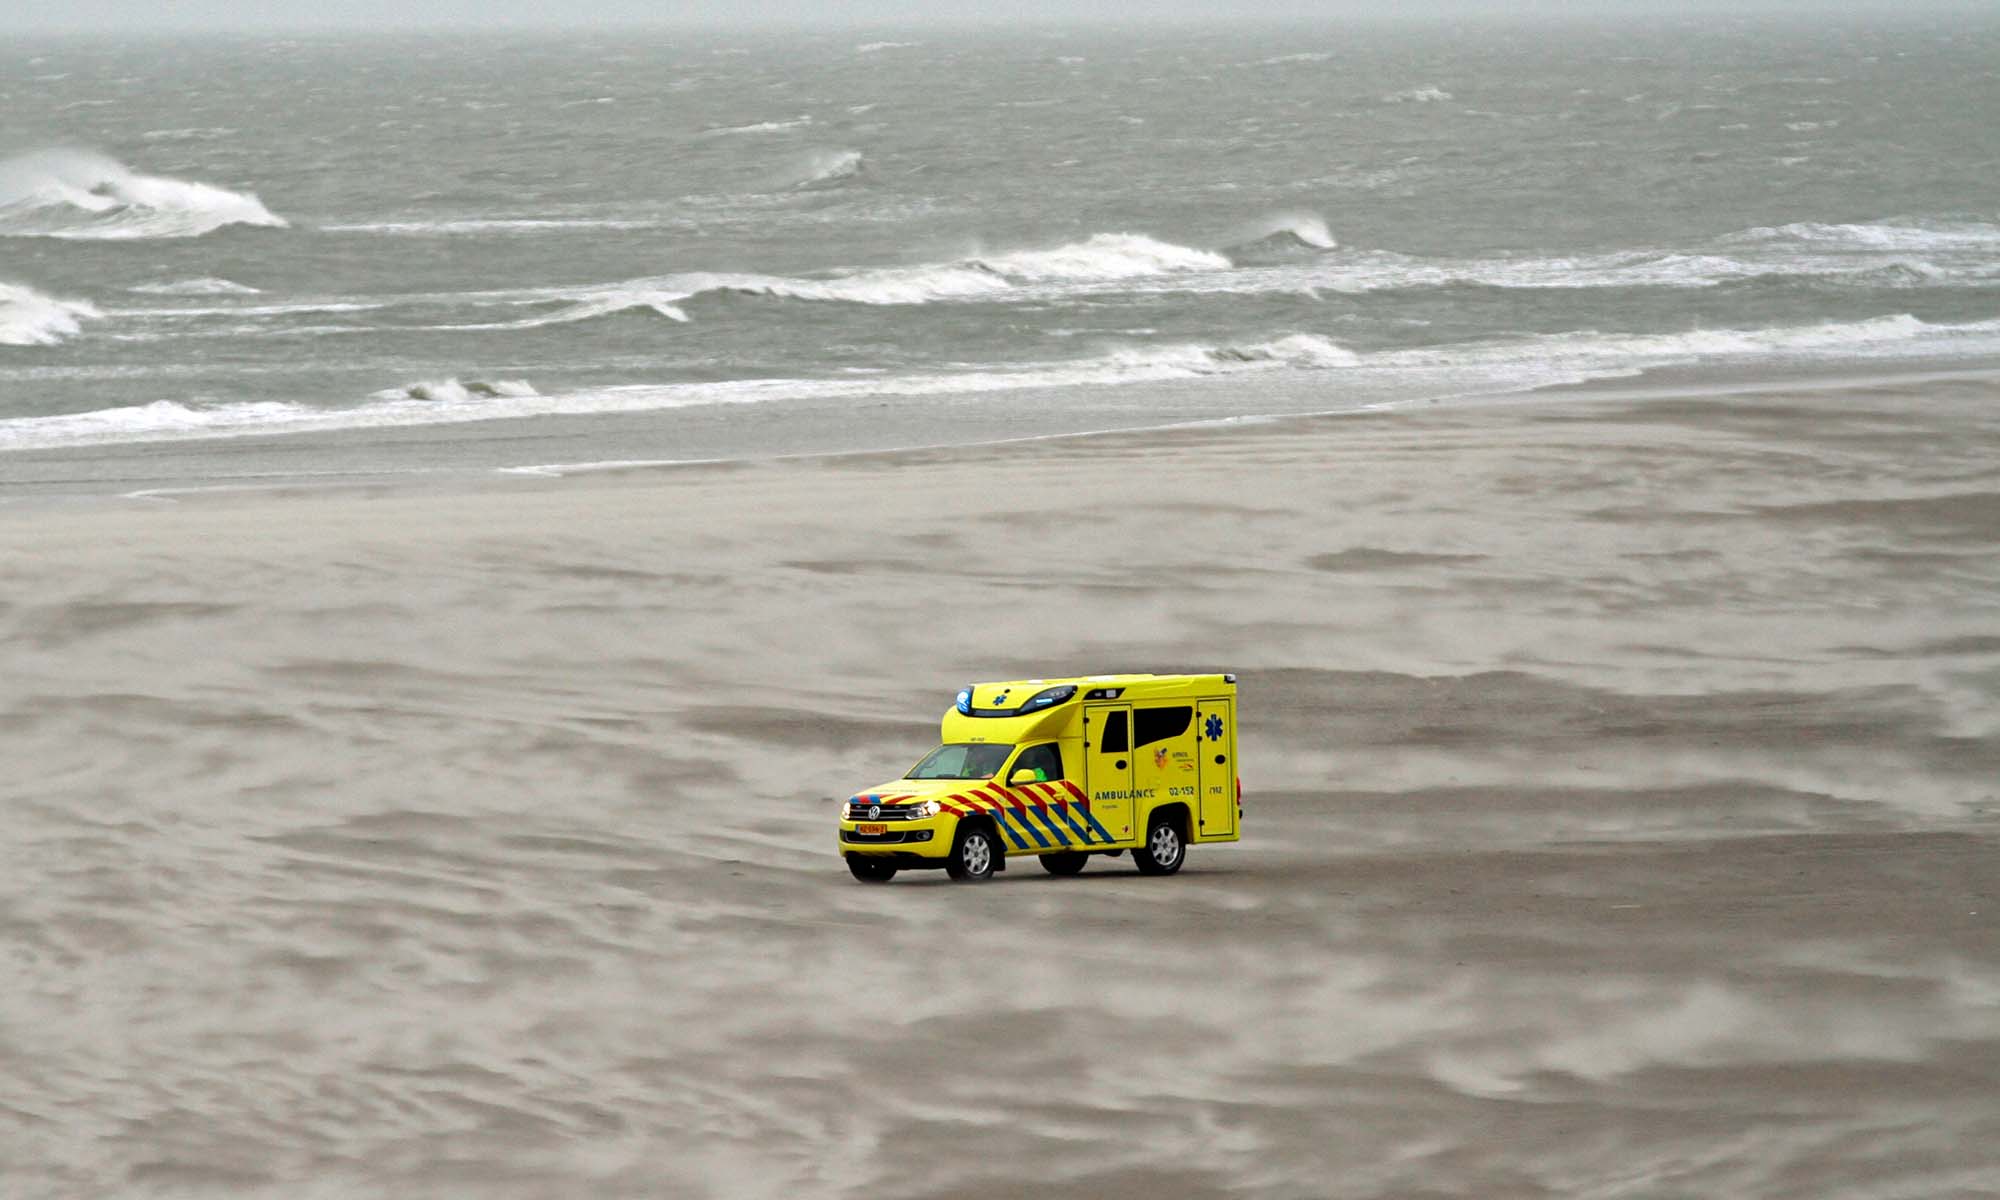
(1622, 789)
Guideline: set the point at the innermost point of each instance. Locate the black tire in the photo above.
(974, 854)
(1064, 862)
(869, 869)
(1165, 847)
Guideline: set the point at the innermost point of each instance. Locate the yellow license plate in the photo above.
(871, 829)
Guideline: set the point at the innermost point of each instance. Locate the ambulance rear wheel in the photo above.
(973, 855)
(1064, 862)
(1164, 850)
(871, 870)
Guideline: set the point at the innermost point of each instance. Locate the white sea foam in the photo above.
(28, 318)
(452, 401)
(1102, 256)
(1303, 350)
(162, 420)
(877, 47)
(455, 391)
(911, 285)
(1295, 254)
(797, 122)
(213, 133)
(205, 286)
(1267, 268)
(453, 226)
(828, 168)
(1887, 235)
(80, 195)
(1421, 95)
(584, 304)
(1874, 337)
(1381, 270)
(1468, 367)
(284, 309)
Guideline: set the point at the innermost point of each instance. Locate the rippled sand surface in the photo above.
(1620, 778)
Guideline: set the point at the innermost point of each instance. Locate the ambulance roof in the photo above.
(1135, 685)
(1037, 707)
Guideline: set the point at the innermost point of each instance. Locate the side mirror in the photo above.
(1024, 775)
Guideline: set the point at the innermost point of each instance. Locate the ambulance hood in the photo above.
(906, 791)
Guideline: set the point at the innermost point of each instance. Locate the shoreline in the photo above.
(1655, 383)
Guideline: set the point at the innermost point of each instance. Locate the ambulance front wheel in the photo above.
(870, 870)
(1164, 849)
(973, 855)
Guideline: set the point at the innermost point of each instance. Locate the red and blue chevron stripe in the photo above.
(1033, 816)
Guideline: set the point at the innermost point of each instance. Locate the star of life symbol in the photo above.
(1214, 728)
(874, 810)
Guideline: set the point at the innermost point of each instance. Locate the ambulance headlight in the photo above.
(929, 808)
(1048, 696)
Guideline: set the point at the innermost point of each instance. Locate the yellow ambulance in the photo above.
(1061, 769)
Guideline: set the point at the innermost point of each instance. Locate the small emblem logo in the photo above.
(1214, 729)
(874, 810)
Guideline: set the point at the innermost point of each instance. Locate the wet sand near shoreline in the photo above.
(1622, 787)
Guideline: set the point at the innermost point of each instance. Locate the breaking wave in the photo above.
(211, 133)
(1304, 350)
(829, 168)
(797, 122)
(1102, 256)
(490, 225)
(452, 401)
(1928, 235)
(205, 286)
(911, 285)
(1422, 95)
(1275, 268)
(587, 305)
(1600, 353)
(1464, 367)
(80, 195)
(1106, 257)
(1280, 237)
(453, 391)
(28, 318)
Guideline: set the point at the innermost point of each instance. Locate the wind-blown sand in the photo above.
(1623, 819)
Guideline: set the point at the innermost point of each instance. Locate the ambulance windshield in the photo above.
(961, 760)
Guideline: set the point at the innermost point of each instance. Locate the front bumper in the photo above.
(928, 837)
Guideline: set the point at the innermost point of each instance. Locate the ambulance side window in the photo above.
(1151, 725)
(1112, 740)
(1045, 759)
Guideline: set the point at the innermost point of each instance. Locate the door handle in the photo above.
(1220, 759)
(1119, 765)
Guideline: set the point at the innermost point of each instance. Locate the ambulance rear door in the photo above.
(1215, 735)
(1107, 766)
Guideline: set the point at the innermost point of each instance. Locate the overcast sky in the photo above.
(113, 16)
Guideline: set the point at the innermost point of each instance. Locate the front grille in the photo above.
(893, 837)
(857, 811)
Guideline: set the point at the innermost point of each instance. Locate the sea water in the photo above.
(264, 258)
